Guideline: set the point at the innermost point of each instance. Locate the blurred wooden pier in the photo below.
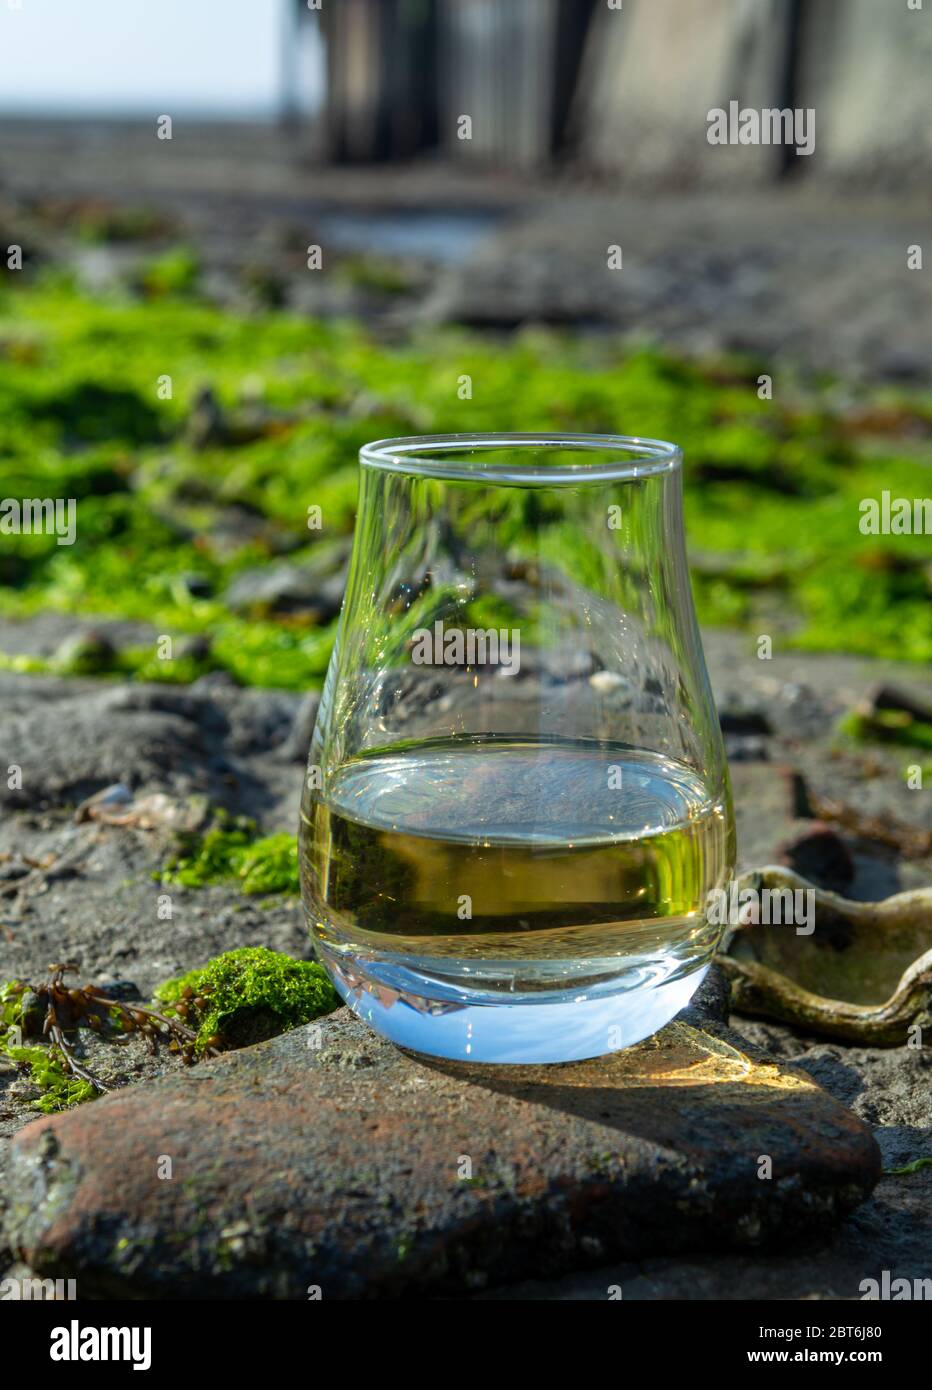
(626, 88)
(402, 75)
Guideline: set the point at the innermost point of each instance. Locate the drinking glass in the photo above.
(517, 800)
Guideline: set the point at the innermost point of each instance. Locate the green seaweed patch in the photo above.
(176, 272)
(60, 1090)
(773, 488)
(887, 726)
(231, 850)
(261, 654)
(45, 1065)
(248, 995)
(98, 224)
(375, 275)
(23, 665)
(913, 1167)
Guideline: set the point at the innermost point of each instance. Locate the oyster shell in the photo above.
(864, 974)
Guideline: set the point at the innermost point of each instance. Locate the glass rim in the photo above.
(413, 455)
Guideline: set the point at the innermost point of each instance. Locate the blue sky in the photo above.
(133, 56)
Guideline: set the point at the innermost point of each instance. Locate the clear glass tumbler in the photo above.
(517, 799)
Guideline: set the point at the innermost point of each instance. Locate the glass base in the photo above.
(522, 1031)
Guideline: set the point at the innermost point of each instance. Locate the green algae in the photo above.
(44, 1065)
(60, 1090)
(231, 850)
(241, 997)
(175, 272)
(773, 488)
(914, 1167)
(247, 995)
(887, 726)
(374, 274)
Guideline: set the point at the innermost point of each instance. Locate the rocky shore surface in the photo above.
(776, 271)
(257, 1215)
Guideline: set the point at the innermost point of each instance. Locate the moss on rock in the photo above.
(247, 995)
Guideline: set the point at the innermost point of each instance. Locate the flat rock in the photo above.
(329, 1158)
(287, 588)
(72, 738)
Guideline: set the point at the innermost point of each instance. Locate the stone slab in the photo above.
(329, 1159)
